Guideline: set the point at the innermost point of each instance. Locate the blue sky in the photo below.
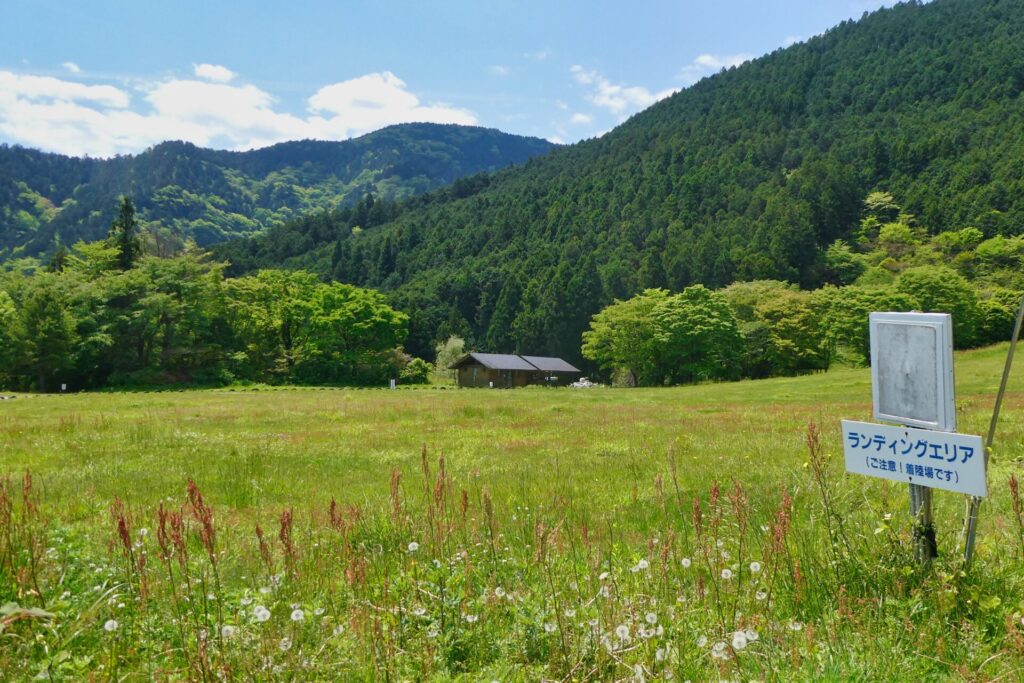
(107, 77)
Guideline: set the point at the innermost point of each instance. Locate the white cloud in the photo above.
(214, 72)
(499, 70)
(581, 119)
(102, 120)
(791, 40)
(618, 99)
(556, 139)
(538, 56)
(72, 67)
(708, 64)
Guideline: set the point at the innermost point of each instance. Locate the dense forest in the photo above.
(186, 192)
(752, 174)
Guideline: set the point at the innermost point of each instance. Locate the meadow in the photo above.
(696, 533)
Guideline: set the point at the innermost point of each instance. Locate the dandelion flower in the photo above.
(414, 546)
(751, 635)
(702, 641)
(261, 613)
(298, 615)
(227, 631)
(686, 562)
(622, 632)
(739, 640)
(550, 627)
(651, 618)
(755, 567)
(760, 595)
(718, 650)
(642, 564)
(726, 573)
(659, 654)
(110, 626)
(285, 644)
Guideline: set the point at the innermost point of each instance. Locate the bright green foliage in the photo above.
(941, 290)
(844, 313)
(697, 336)
(416, 371)
(47, 332)
(623, 337)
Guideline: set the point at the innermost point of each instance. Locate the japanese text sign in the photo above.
(940, 460)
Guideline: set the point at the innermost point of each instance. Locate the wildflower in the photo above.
(686, 562)
(795, 626)
(622, 632)
(702, 641)
(739, 640)
(550, 627)
(755, 567)
(285, 644)
(261, 613)
(651, 618)
(319, 611)
(570, 613)
(751, 635)
(471, 618)
(726, 573)
(298, 615)
(227, 631)
(110, 626)
(499, 591)
(414, 546)
(760, 595)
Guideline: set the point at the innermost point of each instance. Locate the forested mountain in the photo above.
(182, 191)
(753, 173)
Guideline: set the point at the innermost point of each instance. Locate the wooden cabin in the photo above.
(505, 371)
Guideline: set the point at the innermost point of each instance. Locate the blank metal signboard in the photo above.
(912, 369)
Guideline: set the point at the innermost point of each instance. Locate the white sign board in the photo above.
(912, 369)
(940, 460)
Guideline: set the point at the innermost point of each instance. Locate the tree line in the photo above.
(769, 327)
(106, 314)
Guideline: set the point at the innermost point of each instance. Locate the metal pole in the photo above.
(925, 548)
(973, 505)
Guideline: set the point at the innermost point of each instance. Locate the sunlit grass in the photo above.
(543, 492)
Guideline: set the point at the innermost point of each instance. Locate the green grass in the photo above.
(578, 483)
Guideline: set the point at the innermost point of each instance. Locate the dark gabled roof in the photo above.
(508, 361)
(493, 361)
(545, 364)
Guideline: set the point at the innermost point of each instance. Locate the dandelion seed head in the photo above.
(261, 613)
(760, 595)
(570, 613)
(414, 546)
(702, 641)
(751, 635)
(755, 567)
(319, 611)
(143, 532)
(550, 627)
(651, 618)
(795, 626)
(471, 618)
(419, 611)
(726, 573)
(739, 640)
(110, 626)
(245, 602)
(622, 632)
(604, 576)
(227, 631)
(298, 615)
(499, 591)
(285, 644)
(686, 562)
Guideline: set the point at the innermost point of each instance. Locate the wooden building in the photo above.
(505, 371)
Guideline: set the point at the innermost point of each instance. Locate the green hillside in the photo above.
(750, 174)
(185, 191)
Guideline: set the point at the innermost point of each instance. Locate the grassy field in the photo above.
(601, 534)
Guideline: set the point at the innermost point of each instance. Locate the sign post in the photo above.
(974, 504)
(912, 385)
